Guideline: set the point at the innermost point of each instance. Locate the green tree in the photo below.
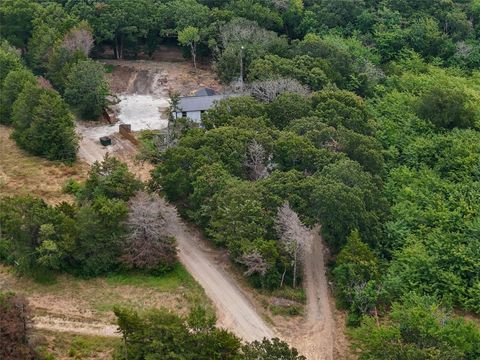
(13, 85)
(287, 107)
(87, 89)
(418, 328)
(208, 180)
(426, 38)
(356, 269)
(44, 125)
(75, 46)
(22, 111)
(190, 37)
(310, 71)
(337, 207)
(47, 30)
(226, 110)
(238, 216)
(252, 10)
(122, 23)
(52, 130)
(267, 349)
(111, 179)
(9, 60)
(449, 108)
(339, 107)
(295, 152)
(161, 334)
(40, 236)
(16, 17)
(338, 13)
(100, 228)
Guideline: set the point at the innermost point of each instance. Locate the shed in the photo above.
(193, 106)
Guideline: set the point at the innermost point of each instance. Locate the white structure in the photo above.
(194, 106)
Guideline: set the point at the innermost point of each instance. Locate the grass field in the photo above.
(21, 173)
(84, 299)
(81, 306)
(65, 346)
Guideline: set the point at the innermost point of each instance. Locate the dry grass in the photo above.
(21, 173)
(92, 300)
(82, 306)
(66, 346)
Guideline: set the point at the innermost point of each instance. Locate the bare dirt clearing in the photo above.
(143, 88)
(132, 76)
(23, 174)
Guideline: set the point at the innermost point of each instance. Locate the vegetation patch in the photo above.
(56, 345)
(22, 173)
(178, 277)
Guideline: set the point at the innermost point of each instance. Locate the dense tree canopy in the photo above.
(161, 334)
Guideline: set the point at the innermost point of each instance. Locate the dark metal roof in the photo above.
(198, 103)
(205, 92)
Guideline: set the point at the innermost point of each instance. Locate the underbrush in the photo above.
(285, 301)
(56, 345)
(179, 276)
(289, 293)
(149, 140)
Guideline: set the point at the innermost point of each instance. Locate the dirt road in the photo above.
(77, 327)
(234, 310)
(319, 337)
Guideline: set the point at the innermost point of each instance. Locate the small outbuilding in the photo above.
(194, 106)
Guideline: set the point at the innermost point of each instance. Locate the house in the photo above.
(194, 106)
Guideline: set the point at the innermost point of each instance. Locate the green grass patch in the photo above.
(86, 346)
(293, 310)
(109, 68)
(289, 293)
(172, 280)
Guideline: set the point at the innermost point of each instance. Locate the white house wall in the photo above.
(195, 116)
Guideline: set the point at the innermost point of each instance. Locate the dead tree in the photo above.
(257, 162)
(294, 236)
(78, 38)
(254, 262)
(242, 32)
(148, 245)
(15, 325)
(268, 90)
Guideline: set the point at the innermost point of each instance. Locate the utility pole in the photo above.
(241, 66)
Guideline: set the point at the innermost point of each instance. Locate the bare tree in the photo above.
(280, 4)
(268, 90)
(78, 38)
(241, 31)
(15, 327)
(254, 262)
(333, 145)
(294, 236)
(257, 161)
(148, 245)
